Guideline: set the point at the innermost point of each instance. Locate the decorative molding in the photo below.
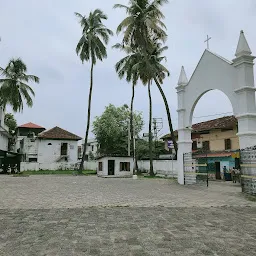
(249, 133)
(245, 88)
(243, 59)
(246, 115)
(181, 110)
(185, 142)
(185, 129)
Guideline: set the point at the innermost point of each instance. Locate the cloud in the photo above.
(45, 34)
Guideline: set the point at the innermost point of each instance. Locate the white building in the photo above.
(91, 149)
(26, 141)
(46, 149)
(4, 132)
(57, 145)
(115, 166)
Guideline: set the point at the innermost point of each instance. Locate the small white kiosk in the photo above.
(115, 166)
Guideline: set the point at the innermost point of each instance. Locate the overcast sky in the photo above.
(45, 33)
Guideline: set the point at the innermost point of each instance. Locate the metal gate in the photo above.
(201, 167)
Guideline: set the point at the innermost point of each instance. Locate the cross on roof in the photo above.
(207, 40)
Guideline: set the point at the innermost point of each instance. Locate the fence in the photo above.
(204, 165)
(248, 170)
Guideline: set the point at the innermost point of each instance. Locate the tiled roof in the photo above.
(226, 122)
(31, 126)
(57, 133)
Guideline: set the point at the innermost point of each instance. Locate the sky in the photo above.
(45, 33)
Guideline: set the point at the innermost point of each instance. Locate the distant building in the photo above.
(8, 157)
(217, 137)
(26, 141)
(4, 133)
(91, 149)
(45, 147)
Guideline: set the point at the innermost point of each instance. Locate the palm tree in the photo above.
(90, 48)
(142, 25)
(14, 88)
(150, 139)
(143, 22)
(124, 68)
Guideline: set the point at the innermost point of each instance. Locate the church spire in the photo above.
(183, 80)
(242, 47)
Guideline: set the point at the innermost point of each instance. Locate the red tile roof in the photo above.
(226, 122)
(31, 126)
(57, 133)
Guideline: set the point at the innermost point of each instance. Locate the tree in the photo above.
(14, 88)
(10, 122)
(111, 129)
(142, 28)
(143, 21)
(124, 68)
(90, 48)
(142, 149)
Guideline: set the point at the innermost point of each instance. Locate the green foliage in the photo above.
(143, 21)
(111, 129)
(142, 149)
(95, 36)
(11, 123)
(14, 88)
(91, 156)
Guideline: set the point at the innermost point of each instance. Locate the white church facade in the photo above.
(235, 79)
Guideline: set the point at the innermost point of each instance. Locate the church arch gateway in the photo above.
(235, 79)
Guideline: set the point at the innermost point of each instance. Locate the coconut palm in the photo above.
(124, 68)
(14, 88)
(143, 22)
(90, 48)
(140, 27)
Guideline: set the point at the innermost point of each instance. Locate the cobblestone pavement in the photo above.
(85, 216)
(47, 192)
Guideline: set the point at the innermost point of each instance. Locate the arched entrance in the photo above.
(235, 79)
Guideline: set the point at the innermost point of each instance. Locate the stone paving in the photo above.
(61, 215)
(47, 192)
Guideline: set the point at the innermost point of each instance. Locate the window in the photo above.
(64, 149)
(92, 147)
(194, 145)
(49, 144)
(124, 166)
(32, 159)
(206, 145)
(100, 166)
(227, 144)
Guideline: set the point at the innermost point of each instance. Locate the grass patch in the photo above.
(57, 172)
(250, 197)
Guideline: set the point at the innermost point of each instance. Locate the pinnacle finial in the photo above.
(243, 46)
(183, 80)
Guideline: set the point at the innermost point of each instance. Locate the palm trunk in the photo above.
(88, 121)
(168, 115)
(132, 130)
(151, 171)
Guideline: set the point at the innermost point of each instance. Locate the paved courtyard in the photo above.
(70, 215)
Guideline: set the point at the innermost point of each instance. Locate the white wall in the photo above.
(3, 142)
(118, 160)
(162, 167)
(91, 165)
(25, 166)
(51, 153)
(3, 138)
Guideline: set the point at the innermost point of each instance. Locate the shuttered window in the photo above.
(124, 166)
(227, 144)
